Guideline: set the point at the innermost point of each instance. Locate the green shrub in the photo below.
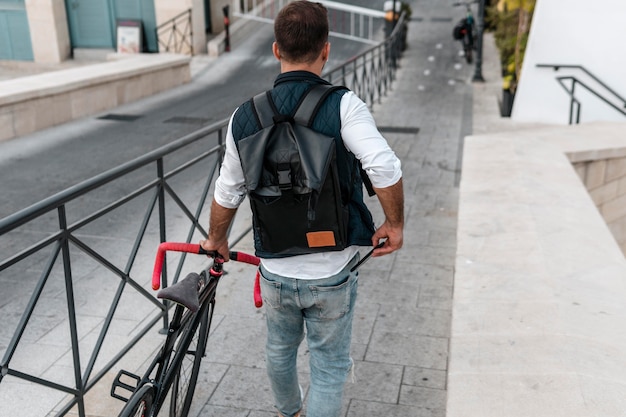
(510, 22)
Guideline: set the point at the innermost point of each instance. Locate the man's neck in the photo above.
(314, 68)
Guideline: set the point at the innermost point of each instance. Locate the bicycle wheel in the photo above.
(468, 55)
(140, 404)
(192, 342)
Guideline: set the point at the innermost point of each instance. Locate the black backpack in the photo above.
(459, 29)
(292, 180)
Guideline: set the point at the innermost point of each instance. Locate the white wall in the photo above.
(576, 32)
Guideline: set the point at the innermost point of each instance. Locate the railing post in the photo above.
(571, 104)
(162, 234)
(71, 308)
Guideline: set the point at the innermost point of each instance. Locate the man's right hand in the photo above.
(392, 201)
(394, 236)
(219, 247)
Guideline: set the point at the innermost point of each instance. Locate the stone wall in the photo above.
(29, 104)
(605, 180)
(539, 285)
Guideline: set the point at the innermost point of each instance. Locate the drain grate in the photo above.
(395, 129)
(187, 120)
(120, 117)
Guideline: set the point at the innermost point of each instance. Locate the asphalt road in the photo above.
(39, 165)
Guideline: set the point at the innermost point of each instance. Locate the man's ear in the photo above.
(326, 52)
(275, 51)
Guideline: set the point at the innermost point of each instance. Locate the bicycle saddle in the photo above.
(184, 292)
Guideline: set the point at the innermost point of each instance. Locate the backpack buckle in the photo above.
(283, 172)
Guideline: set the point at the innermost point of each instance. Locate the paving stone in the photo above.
(432, 399)
(423, 377)
(402, 318)
(407, 270)
(243, 388)
(408, 349)
(360, 408)
(435, 297)
(375, 382)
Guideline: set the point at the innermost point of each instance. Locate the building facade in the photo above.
(52, 31)
(583, 40)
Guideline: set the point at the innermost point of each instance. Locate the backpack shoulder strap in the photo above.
(312, 101)
(264, 109)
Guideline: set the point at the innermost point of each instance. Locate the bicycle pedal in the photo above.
(126, 381)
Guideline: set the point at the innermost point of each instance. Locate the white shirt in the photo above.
(362, 138)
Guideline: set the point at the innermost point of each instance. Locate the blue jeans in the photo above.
(325, 306)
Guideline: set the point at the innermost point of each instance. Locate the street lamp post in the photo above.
(478, 69)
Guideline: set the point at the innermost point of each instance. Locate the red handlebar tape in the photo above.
(173, 247)
(197, 249)
(250, 259)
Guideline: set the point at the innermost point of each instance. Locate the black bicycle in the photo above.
(177, 364)
(465, 30)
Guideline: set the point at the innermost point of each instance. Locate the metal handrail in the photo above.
(369, 74)
(58, 242)
(176, 35)
(575, 104)
(346, 21)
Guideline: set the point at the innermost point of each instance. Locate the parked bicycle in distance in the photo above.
(177, 364)
(465, 30)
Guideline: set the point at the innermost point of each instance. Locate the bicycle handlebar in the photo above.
(197, 249)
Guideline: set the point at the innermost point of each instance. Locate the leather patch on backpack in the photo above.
(320, 239)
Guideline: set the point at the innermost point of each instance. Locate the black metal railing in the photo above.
(58, 242)
(371, 73)
(172, 167)
(176, 35)
(569, 83)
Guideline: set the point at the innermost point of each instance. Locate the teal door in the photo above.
(90, 23)
(142, 10)
(15, 43)
(93, 22)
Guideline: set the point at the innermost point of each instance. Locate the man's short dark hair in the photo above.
(301, 31)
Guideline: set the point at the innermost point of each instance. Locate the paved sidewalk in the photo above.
(402, 321)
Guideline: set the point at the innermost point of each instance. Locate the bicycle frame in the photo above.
(164, 379)
(189, 317)
(161, 379)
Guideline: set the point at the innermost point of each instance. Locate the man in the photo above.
(316, 290)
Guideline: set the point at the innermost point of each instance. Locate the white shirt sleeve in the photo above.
(230, 186)
(362, 138)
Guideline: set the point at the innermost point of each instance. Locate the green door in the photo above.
(142, 10)
(15, 43)
(90, 23)
(93, 22)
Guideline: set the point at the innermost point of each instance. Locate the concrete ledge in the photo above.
(35, 102)
(540, 283)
